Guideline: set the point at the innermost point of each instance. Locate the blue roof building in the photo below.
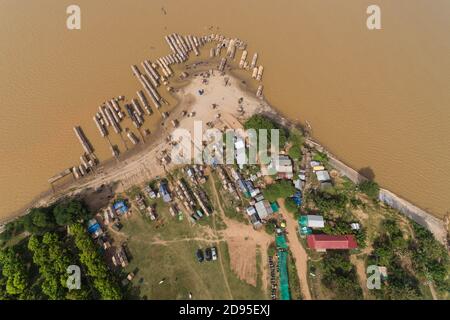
(164, 192)
(120, 207)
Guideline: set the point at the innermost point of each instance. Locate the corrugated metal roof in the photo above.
(325, 241)
(315, 221)
(323, 175)
(263, 208)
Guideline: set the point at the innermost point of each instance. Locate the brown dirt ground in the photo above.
(243, 242)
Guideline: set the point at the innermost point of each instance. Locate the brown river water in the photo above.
(379, 100)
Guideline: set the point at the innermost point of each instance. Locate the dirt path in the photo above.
(215, 229)
(297, 250)
(433, 292)
(362, 276)
(166, 242)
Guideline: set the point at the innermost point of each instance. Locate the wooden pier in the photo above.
(83, 140)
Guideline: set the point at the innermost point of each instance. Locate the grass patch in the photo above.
(294, 281)
(174, 262)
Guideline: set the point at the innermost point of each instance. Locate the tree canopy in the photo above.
(15, 273)
(97, 270)
(258, 122)
(68, 212)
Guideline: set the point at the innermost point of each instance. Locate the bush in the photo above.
(270, 227)
(295, 152)
(430, 258)
(339, 275)
(370, 188)
(291, 206)
(388, 250)
(322, 157)
(279, 189)
(296, 140)
(327, 200)
(341, 227)
(272, 249)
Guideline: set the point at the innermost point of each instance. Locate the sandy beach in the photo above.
(143, 162)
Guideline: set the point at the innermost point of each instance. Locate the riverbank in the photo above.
(439, 227)
(144, 161)
(221, 94)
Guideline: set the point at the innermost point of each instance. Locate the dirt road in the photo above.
(297, 250)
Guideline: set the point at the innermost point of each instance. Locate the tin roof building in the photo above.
(322, 242)
(312, 221)
(264, 209)
(282, 165)
(323, 176)
(164, 192)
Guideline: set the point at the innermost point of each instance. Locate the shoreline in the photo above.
(138, 164)
(437, 226)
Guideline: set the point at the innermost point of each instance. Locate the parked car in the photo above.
(208, 254)
(214, 253)
(200, 256)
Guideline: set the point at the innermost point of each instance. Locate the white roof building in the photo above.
(239, 145)
(282, 164)
(323, 176)
(315, 221)
(355, 226)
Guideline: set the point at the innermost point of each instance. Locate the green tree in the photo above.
(339, 275)
(53, 259)
(14, 271)
(38, 220)
(296, 140)
(68, 212)
(104, 282)
(430, 258)
(295, 152)
(279, 189)
(270, 226)
(258, 122)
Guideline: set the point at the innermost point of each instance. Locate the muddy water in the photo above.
(380, 100)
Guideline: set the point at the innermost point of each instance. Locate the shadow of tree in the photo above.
(367, 173)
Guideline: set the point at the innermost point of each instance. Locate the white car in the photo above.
(214, 253)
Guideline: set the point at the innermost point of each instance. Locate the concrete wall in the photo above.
(435, 225)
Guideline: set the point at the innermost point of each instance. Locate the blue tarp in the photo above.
(297, 197)
(120, 206)
(164, 192)
(93, 228)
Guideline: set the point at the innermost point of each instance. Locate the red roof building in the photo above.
(322, 242)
